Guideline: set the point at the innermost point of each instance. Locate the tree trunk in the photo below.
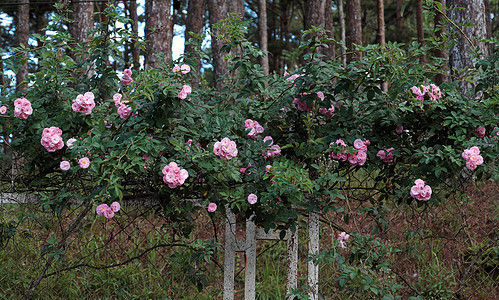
(158, 31)
(22, 34)
(440, 52)
(218, 11)
(330, 51)
(135, 29)
(353, 29)
(315, 15)
(419, 26)
(262, 29)
(380, 34)
(82, 12)
(236, 7)
(194, 23)
(341, 16)
(399, 23)
(460, 54)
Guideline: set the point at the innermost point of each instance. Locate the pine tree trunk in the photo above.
(399, 23)
(236, 7)
(262, 29)
(194, 23)
(353, 29)
(329, 26)
(218, 11)
(158, 31)
(461, 54)
(135, 29)
(420, 27)
(82, 12)
(440, 52)
(341, 16)
(380, 34)
(22, 35)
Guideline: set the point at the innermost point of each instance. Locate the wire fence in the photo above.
(448, 251)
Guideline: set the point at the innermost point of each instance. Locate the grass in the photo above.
(437, 246)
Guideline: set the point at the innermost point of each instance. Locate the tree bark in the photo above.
(330, 51)
(194, 23)
(341, 16)
(262, 29)
(158, 31)
(22, 34)
(420, 27)
(218, 11)
(135, 29)
(236, 7)
(461, 54)
(353, 29)
(440, 52)
(380, 34)
(399, 23)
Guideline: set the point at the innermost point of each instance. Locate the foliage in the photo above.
(128, 152)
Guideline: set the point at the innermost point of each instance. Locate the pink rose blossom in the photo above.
(22, 108)
(301, 105)
(184, 69)
(3, 110)
(255, 127)
(342, 238)
(176, 69)
(115, 206)
(117, 99)
(268, 138)
(480, 131)
(472, 157)
(321, 96)
(252, 199)
(84, 162)
(327, 111)
(420, 191)
(173, 175)
(51, 139)
(386, 156)
(126, 79)
(84, 103)
(70, 142)
(212, 207)
(101, 209)
(225, 149)
(109, 213)
(399, 129)
(184, 92)
(64, 165)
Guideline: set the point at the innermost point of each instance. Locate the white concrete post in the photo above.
(313, 250)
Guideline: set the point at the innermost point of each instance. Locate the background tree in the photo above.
(218, 11)
(263, 37)
(439, 26)
(353, 28)
(22, 34)
(158, 30)
(419, 24)
(194, 23)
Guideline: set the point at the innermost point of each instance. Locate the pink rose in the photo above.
(22, 108)
(420, 191)
(3, 110)
(184, 69)
(212, 207)
(252, 199)
(64, 165)
(84, 162)
(101, 209)
(51, 139)
(115, 206)
(175, 69)
(480, 131)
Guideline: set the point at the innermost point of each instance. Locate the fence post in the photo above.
(313, 250)
(229, 254)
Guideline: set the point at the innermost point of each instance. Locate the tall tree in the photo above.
(420, 26)
(135, 29)
(461, 53)
(194, 23)
(262, 29)
(439, 32)
(158, 31)
(22, 35)
(380, 35)
(399, 23)
(318, 13)
(353, 28)
(236, 7)
(341, 16)
(82, 13)
(218, 11)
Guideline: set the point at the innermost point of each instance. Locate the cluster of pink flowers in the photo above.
(174, 176)
(124, 110)
(431, 90)
(212, 207)
(327, 111)
(184, 92)
(342, 238)
(301, 105)
(126, 79)
(184, 69)
(84, 103)
(274, 149)
(472, 157)
(420, 191)
(225, 149)
(22, 108)
(108, 211)
(51, 139)
(255, 127)
(252, 199)
(386, 155)
(357, 159)
(480, 131)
